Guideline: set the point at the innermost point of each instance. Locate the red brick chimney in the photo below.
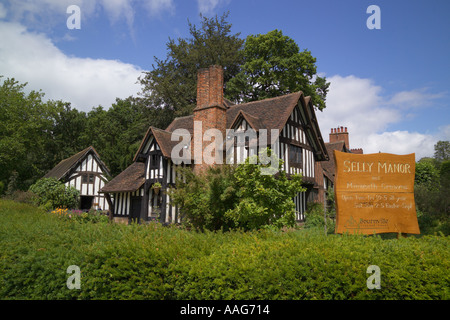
(357, 150)
(340, 134)
(210, 113)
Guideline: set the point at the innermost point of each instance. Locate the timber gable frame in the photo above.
(298, 142)
(86, 172)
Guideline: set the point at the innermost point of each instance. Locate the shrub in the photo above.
(227, 197)
(21, 196)
(51, 194)
(155, 262)
(315, 218)
(263, 199)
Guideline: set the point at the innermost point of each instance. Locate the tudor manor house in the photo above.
(298, 143)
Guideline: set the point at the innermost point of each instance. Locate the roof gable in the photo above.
(65, 166)
(272, 113)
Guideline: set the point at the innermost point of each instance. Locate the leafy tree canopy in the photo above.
(172, 83)
(442, 151)
(273, 66)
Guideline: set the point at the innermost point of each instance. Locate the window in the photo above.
(87, 178)
(154, 161)
(295, 154)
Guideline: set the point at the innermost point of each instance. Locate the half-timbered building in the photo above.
(88, 174)
(287, 124)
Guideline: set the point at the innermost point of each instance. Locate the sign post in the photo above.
(375, 193)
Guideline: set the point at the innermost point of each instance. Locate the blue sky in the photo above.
(389, 86)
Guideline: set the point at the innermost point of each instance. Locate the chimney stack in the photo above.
(340, 134)
(210, 113)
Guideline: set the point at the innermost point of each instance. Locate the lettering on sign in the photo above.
(375, 193)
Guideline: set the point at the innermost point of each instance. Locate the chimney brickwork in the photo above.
(340, 134)
(210, 113)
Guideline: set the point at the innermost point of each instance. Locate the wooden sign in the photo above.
(375, 193)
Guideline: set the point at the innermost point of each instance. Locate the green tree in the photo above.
(117, 132)
(273, 66)
(427, 174)
(431, 190)
(172, 84)
(68, 132)
(442, 151)
(26, 128)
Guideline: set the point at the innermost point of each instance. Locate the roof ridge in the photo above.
(267, 99)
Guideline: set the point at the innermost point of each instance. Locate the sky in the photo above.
(390, 86)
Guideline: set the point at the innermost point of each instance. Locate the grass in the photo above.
(155, 262)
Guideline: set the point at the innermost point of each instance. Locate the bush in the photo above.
(241, 197)
(21, 196)
(314, 218)
(51, 194)
(92, 216)
(155, 262)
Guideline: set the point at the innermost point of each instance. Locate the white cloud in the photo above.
(414, 98)
(3, 11)
(33, 58)
(208, 7)
(401, 142)
(44, 14)
(359, 105)
(155, 7)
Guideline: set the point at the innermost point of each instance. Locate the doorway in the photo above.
(135, 208)
(86, 202)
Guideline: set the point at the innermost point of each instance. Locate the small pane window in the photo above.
(295, 154)
(154, 161)
(87, 178)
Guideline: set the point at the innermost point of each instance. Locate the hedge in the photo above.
(156, 262)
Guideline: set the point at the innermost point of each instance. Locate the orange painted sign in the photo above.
(375, 193)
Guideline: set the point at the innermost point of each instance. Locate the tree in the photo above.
(26, 128)
(68, 132)
(431, 190)
(442, 151)
(172, 84)
(427, 174)
(117, 132)
(273, 66)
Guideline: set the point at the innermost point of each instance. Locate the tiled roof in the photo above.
(272, 113)
(63, 167)
(131, 179)
(262, 114)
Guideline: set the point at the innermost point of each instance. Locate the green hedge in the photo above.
(155, 262)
